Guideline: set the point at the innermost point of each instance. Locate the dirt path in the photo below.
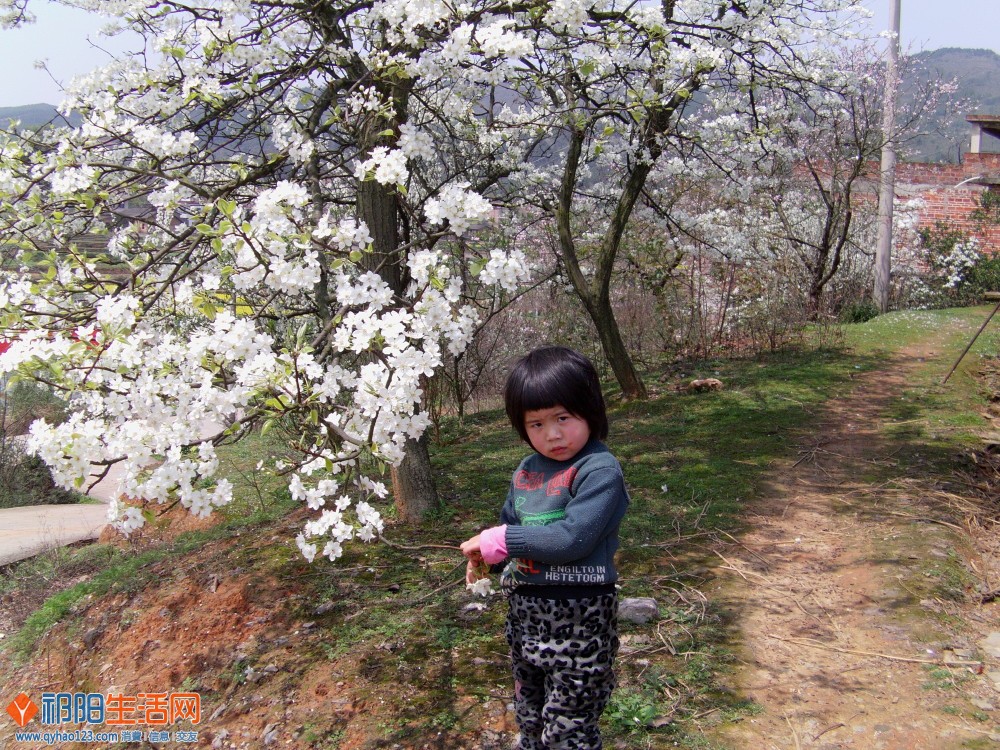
(821, 587)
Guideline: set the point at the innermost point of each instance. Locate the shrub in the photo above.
(24, 479)
(859, 311)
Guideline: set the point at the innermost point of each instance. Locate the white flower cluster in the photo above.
(274, 255)
(270, 208)
(72, 180)
(483, 587)
(117, 312)
(289, 138)
(161, 143)
(497, 40)
(568, 15)
(144, 394)
(460, 207)
(367, 289)
(405, 18)
(415, 143)
(385, 166)
(333, 528)
(14, 292)
(508, 270)
(350, 234)
(957, 263)
(294, 275)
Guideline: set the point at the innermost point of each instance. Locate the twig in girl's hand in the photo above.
(417, 547)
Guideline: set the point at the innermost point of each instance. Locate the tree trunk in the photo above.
(615, 351)
(596, 295)
(413, 482)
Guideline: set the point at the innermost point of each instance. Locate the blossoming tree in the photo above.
(252, 225)
(271, 212)
(627, 89)
(803, 198)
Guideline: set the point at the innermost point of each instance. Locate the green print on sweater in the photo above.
(538, 519)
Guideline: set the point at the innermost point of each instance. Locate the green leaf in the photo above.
(206, 229)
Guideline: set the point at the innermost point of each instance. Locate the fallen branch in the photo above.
(966, 351)
(910, 660)
(919, 519)
(795, 735)
(838, 725)
(680, 539)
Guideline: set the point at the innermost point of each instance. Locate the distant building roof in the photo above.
(983, 124)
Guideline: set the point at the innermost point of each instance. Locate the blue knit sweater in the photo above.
(562, 519)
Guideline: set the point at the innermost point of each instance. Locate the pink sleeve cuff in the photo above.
(493, 544)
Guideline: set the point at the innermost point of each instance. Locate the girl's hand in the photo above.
(470, 548)
(475, 569)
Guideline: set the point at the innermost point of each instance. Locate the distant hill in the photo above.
(976, 72)
(33, 115)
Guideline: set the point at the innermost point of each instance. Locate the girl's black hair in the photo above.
(555, 376)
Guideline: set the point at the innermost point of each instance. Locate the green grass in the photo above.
(693, 463)
(930, 419)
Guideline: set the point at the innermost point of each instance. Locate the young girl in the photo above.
(559, 530)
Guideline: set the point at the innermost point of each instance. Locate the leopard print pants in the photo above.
(563, 654)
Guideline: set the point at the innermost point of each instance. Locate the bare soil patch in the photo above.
(857, 601)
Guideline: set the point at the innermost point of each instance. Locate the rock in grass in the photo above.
(638, 609)
(991, 645)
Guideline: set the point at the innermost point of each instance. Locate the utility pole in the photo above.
(887, 181)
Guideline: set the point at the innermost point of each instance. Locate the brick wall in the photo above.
(948, 194)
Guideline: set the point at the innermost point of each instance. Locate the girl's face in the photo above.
(556, 433)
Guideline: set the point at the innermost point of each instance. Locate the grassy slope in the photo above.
(693, 463)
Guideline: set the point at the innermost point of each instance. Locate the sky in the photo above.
(65, 38)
